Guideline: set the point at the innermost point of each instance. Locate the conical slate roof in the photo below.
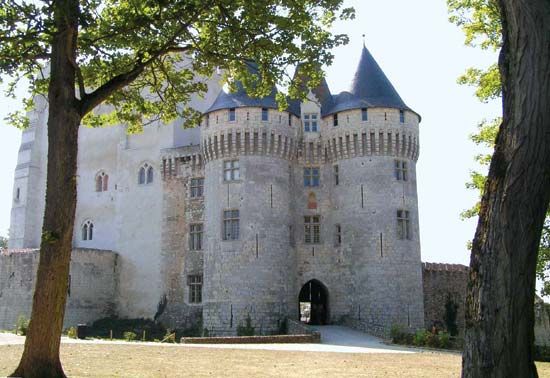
(239, 98)
(370, 88)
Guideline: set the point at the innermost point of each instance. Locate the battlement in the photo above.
(441, 267)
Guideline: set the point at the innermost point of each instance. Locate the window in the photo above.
(230, 224)
(402, 116)
(403, 225)
(207, 120)
(265, 114)
(195, 237)
(310, 123)
(145, 175)
(231, 170)
(231, 115)
(17, 194)
(101, 182)
(197, 187)
(336, 175)
(335, 119)
(88, 230)
(337, 235)
(364, 114)
(312, 230)
(401, 170)
(290, 120)
(311, 176)
(195, 288)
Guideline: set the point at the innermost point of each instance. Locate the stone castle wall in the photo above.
(92, 289)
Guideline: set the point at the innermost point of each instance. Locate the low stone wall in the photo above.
(298, 328)
(276, 339)
(92, 289)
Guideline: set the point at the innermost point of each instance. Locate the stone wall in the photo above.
(92, 292)
(450, 280)
(442, 281)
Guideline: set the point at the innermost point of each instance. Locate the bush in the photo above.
(102, 328)
(22, 325)
(71, 332)
(129, 336)
(444, 340)
(432, 340)
(246, 330)
(420, 337)
(400, 336)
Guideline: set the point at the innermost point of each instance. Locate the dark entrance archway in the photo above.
(313, 300)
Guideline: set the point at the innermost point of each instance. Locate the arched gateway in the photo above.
(313, 300)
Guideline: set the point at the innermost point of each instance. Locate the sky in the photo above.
(422, 54)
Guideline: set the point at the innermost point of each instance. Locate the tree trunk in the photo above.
(499, 333)
(41, 354)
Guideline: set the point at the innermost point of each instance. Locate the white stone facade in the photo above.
(372, 277)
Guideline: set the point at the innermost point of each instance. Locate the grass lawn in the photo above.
(159, 361)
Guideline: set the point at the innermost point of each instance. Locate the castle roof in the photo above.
(370, 88)
(240, 99)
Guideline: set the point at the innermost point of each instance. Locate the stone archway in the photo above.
(313, 303)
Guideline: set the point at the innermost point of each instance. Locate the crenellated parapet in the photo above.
(249, 134)
(173, 159)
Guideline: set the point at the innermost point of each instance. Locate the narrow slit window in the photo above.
(364, 114)
(402, 116)
(335, 119)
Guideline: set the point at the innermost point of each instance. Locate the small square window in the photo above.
(231, 170)
(312, 230)
(195, 288)
(401, 172)
(364, 114)
(403, 225)
(197, 187)
(311, 176)
(195, 237)
(265, 114)
(310, 123)
(231, 225)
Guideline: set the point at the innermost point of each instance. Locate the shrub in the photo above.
(432, 340)
(129, 336)
(444, 340)
(420, 337)
(22, 325)
(71, 332)
(102, 328)
(246, 330)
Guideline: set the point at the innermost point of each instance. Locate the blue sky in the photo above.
(422, 54)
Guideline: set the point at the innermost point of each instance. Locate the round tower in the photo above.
(248, 145)
(371, 145)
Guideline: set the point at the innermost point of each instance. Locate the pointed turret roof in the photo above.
(370, 88)
(240, 99)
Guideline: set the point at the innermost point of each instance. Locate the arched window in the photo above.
(88, 230)
(101, 182)
(145, 175)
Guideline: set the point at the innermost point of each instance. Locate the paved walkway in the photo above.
(333, 339)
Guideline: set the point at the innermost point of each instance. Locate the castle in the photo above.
(258, 214)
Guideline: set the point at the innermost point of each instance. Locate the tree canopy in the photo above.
(480, 22)
(131, 54)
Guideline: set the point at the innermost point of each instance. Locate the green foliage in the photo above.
(3, 242)
(451, 310)
(133, 56)
(101, 328)
(399, 335)
(129, 336)
(480, 21)
(444, 340)
(71, 332)
(420, 337)
(246, 330)
(22, 325)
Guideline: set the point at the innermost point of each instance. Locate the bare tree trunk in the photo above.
(41, 354)
(500, 303)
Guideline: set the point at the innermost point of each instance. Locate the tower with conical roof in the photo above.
(311, 213)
